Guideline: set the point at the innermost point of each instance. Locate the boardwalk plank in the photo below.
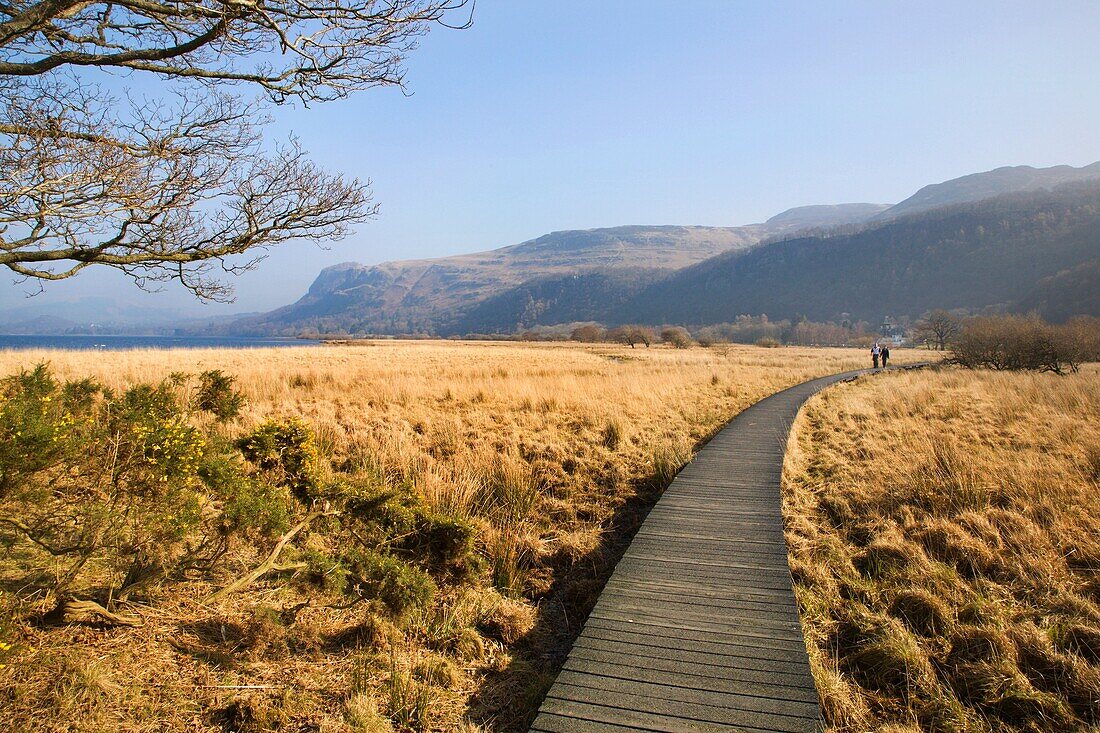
(689, 710)
(697, 629)
(761, 687)
(609, 659)
(728, 706)
(699, 625)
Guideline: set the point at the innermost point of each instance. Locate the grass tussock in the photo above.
(485, 489)
(944, 535)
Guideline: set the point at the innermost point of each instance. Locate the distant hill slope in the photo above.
(997, 182)
(553, 300)
(975, 241)
(1016, 251)
(820, 216)
(421, 296)
(415, 296)
(1068, 293)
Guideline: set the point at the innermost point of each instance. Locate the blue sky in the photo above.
(549, 115)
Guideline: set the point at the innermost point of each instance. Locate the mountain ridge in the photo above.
(994, 253)
(988, 184)
(521, 285)
(413, 296)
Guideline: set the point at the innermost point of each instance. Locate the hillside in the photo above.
(997, 182)
(425, 295)
(553, 300)
(416, 295)
(983, 240)
(997, 252)
(1067, 293)
(824, 215)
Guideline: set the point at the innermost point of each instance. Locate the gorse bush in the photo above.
(397, 584)
(398, 520)
(250, 507)
(109, 494)
(217, 396)
(123, 479)
(37, 417)
(287, 452)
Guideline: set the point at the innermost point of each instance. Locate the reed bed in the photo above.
(944, 535)
(552, 451)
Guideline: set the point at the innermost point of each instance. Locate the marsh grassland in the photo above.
(477, 495)
(944, 535)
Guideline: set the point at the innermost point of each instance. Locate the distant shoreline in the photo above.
(104, 342)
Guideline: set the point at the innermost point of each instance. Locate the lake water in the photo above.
(119, 343)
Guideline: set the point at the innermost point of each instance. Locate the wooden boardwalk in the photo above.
(697, 629)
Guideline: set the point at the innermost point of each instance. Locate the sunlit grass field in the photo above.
(944, 534)
(552, 451)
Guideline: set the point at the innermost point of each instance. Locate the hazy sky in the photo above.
(562, 115)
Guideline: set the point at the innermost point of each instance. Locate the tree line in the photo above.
(1011, 342)
(999, 342)
(744, 329)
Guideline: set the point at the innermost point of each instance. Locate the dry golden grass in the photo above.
(553, 451)
(944, 534)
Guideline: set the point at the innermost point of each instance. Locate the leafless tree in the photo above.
(588, 334)
(676, 336)
(937, 329)
(1014, 342)
(632, 335)
(181, 184)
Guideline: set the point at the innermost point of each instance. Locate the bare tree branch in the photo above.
(180, 187)
(309, 49)
(271, 563)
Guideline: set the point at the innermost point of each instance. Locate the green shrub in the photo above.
(444, 544)
(217, 396)
(286, 450)
(249, 506)
(85, 474)
(117, 491)
(397, 584)
(38, 416)
(107, 493)
(325, 572)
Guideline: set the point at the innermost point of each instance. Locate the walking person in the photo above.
(875, 351)
(885, 354)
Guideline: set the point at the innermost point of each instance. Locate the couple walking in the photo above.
(880, 352)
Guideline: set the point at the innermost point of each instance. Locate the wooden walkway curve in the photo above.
(697, 629)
